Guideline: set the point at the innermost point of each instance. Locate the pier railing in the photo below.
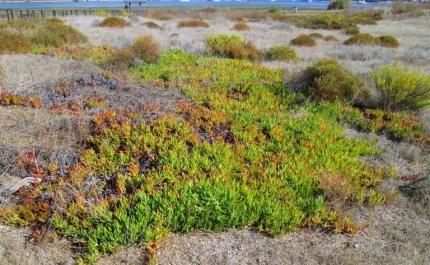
(43, 13)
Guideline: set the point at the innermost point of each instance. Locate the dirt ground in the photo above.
(397, 233)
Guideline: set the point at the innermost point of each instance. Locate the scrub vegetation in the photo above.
(151, 139)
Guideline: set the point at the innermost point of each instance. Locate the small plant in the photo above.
(146, 48)
(330, 38)
(241, 26)
(388, 41)
(114, 22)
(361, 39)
(282, 53)
(326, 80)
(316, 35)
(338, 4)
(66, 33)
(152, 25)
(400, 88)
(118, 60)
(352, 30)
(303, 40)
(231, 46)
(193, 23)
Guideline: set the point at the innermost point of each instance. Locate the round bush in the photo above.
(338, 4)
(231, 46)
(114, 22)
(327, 80)
(361, 39)
(241, 26)
(282, 53)
(388, 41)
(303, 40)
(152, 25)
(330, 38)
(146, 49)
(354, 30)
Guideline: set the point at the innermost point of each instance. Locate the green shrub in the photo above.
(361, 39)
(193, 23)
(303, 40)
(363, 20)
(316, 35)
(241, 26)
(67, 33)
(114, 22)
(388, 41)
(152, 25)
(352, 30)
(326, 80)
(12, 42)
(146, 48)
(231, 46)
(324, 21)
(400, 88)
(282, 53)
(46, 38)
(338, 4)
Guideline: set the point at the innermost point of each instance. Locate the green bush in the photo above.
(361, 39)
(231, 46)
(114, 22)
(146, 48)
(67, 33)
(388, 41)
(338, 4)
(193, 23)
(303, 40)
(324, 21)
(12, 42)
(46, 38)
(241, 25)
(282, 53)
(326, 80)
(118, 61)
(352, 30)
(400, 88)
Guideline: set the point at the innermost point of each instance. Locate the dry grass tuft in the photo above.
(193, 23)
(114, 22)
(303, 40)
(241, 25)
(146, 48)
(152, 25)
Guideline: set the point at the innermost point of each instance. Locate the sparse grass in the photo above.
(303, 40)
(330, 38)
(114, 22)
(241, 25)
(193, 23)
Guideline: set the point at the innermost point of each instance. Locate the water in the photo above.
(93, 4)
